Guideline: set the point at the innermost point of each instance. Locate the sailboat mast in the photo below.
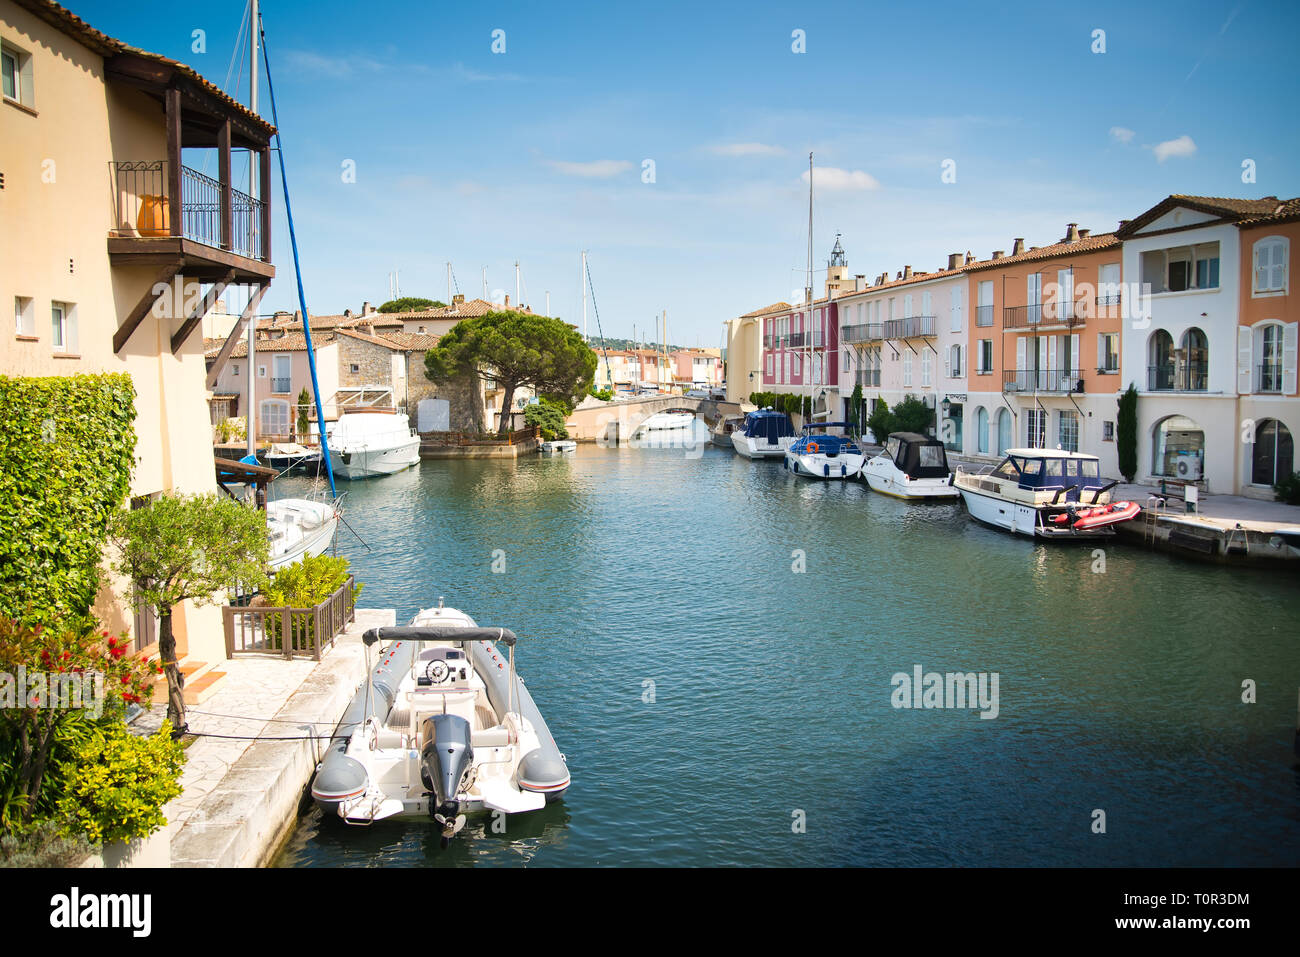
(808, 289)
(582, 281)
(254, 38)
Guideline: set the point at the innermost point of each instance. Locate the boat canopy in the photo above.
(920, 456)
(439, 633)
(768, 424)
(1043, 469)
(826, 445)
(817, 426)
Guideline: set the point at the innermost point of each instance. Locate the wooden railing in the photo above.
(286, 632)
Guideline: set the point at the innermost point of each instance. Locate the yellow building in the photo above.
(112, 249)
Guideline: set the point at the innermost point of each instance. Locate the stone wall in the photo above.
(464, 395)
(374, 364)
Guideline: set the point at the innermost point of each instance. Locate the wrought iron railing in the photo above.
(863, 332)
(142, 208)
(1270, 377)
(1051, 313)
(911, 327)
(984, 315)
(281, 385)
(1171, 377)
(1043, 380)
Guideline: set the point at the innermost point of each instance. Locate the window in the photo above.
(234, 368)
(984, 312)
(9, 74)
(1182, 268)
(907, 306)
(1108, 431)
(1068, 430)
(354, 368)
(955, 302)
(1108, 352)
(1270, 358)
(984, 356)
(1178, 449)
(24, 316)
(1108, 289)
(1270, 264)
(982, 429)
(925, 367)
(275, 417)
(955, 362)
(926, 303)
(907, 368)
(63, 327)
(1035, 428)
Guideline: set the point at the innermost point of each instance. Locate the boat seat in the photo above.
(484, 716)
(388, 738)
(490, 738)
(399, 719)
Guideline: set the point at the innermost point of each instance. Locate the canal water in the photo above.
(713, 641)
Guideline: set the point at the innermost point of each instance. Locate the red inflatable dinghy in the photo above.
(1100, 515)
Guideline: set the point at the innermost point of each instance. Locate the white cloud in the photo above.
(1182, 146)
(830, 177)
(596, 169)
(464, 74)
(1121, 134)
(745, 149)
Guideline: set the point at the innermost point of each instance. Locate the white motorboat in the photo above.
(820, 454)
(911, 466)
(442, 728)
(721, 434)
(766, 434)
(558, 446)
(1044, 493)
(666, 421)
(286, 456)
(299, 527)
(365, 444)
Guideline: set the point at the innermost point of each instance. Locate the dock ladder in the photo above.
(1150, 517)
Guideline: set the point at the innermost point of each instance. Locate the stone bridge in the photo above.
(614, 422)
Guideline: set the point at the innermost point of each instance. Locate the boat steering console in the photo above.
(444, 669)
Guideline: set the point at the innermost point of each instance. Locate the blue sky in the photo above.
(535, 153)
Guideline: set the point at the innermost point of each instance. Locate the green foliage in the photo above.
(604, 395)
(516, 349)
(123, 781)
(881, 422)
(549, 416)
(38, 740)
(45, 844)
(855, 406)
(67, 448)
(788, 402)
(1288, 489)
(1126, 433)
(232, 430)
(913, 415)
(411, 304)
(304, 403)
(308, 582)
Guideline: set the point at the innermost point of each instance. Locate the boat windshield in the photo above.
(891, 448)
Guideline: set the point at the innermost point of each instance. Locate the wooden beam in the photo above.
(201, 310)
(151, 295)
(264, 194)
(223, 177)
(232, 340)
(174, 160)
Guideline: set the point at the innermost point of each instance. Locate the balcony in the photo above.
(1057, 381)
(912, 327)
(1171, 377)
(984, 316)
(1067, 314)
(281, 386)
(865, 332)
(1268, 377)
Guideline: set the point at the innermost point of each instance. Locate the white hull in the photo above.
(1022, 519)
(883, 476)
(365, 462)
(753, 448)
(818, 466)
(558, 446)
(298, 528)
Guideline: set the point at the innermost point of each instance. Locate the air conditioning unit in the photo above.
(1188, 467)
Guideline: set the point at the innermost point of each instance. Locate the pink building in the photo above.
(697, 368)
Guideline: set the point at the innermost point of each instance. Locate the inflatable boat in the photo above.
(441, 728)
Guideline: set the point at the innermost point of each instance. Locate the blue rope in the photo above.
(297, 268)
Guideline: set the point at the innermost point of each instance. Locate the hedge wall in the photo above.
(67, 447)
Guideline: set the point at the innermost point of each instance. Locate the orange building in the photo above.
(1044, 347)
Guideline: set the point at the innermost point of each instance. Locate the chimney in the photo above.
(507, 300)
(1072, 233)
(907, 272)
(365, 308)
(970, 257)
(954, 260)
(1018, 246)
(458, 299)
(998, 254)
(1085, 233)
(297, 315)
(859, 282)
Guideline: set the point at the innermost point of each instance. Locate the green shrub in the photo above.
(303, 585)
(1288, 489)
(46, 844)
(1126, 433)
(548, 416)
(67, 448)
(604, 395)
(122, 783)
(913, 415)
(881, 421)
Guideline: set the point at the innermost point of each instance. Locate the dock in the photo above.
(1229, 529)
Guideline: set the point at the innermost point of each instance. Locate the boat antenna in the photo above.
(297, 267)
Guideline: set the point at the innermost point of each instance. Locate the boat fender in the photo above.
(339, 777)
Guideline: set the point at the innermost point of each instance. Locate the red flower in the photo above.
(112, 642)
(125, 678)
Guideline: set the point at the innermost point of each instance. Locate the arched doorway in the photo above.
(1179, 449)
(1160, 361)
(982, 429)
(1004, 431)
(1273, 454)
(1196, 360)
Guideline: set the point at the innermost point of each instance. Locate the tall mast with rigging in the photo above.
(808, 293)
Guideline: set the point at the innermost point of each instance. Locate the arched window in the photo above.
(1004, 431)
(1271, 255)
(1178, 449)
(955, 362)
(1268, 356)
(1273, 454)
(1160, 361)
(982, 429)
(1195, 349)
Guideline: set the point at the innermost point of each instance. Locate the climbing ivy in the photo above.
(67, 447)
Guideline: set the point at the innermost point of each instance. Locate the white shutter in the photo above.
(961, 357)
(1245, 358)
(1288, 358)
(1020, 360)
(1075, 364)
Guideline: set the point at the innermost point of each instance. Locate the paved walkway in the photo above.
(1221, 511)
(254, 690)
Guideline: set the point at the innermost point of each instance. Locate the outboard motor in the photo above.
(446, 757)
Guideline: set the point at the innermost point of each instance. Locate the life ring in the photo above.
(812, 447)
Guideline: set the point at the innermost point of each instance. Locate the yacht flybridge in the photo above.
(911, 466)
(1044, 493)
(442, 728)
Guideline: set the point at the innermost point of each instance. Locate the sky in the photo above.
(671, 140)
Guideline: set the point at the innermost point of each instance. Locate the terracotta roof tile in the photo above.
(1091, 244)
(775, 307)
(289, 342)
